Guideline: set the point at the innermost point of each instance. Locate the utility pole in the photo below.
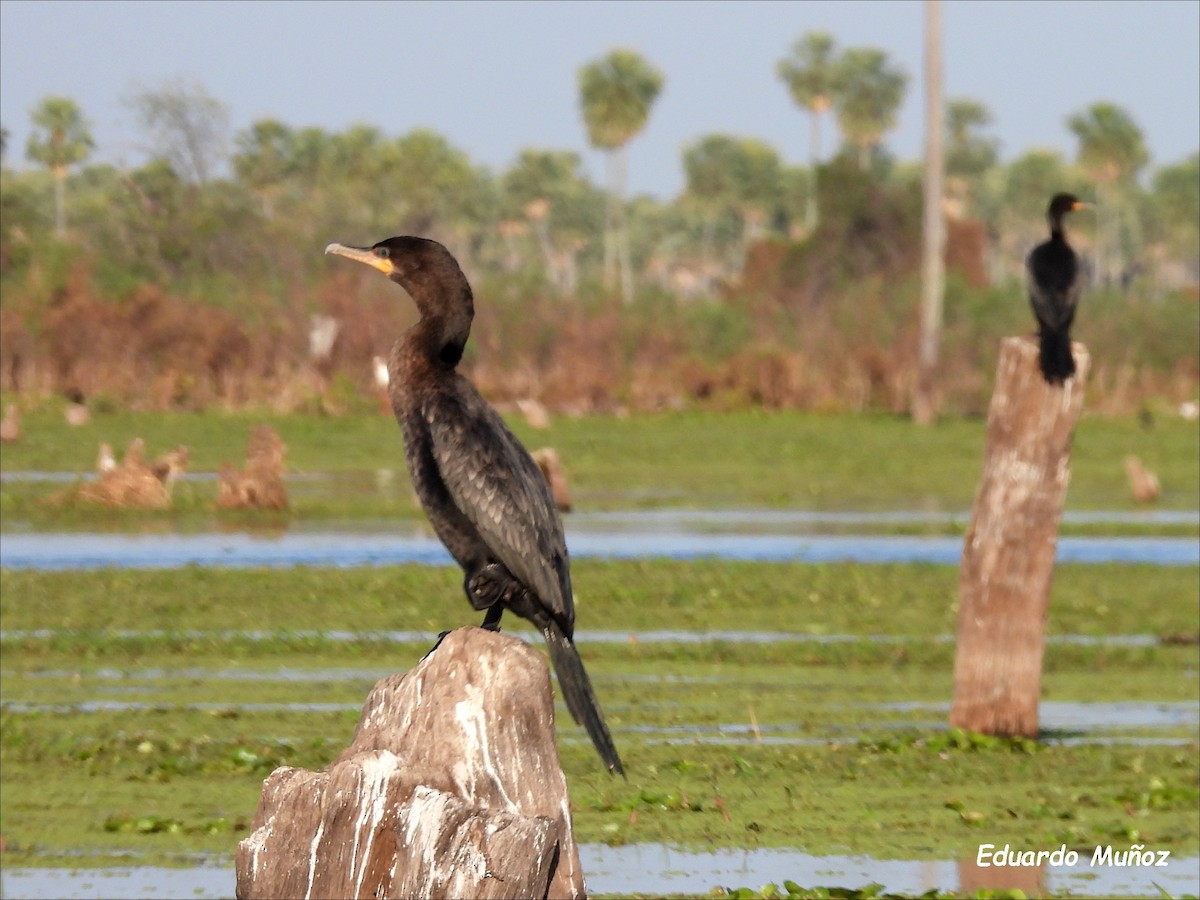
(933, 231)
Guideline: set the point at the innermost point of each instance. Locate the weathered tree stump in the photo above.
(260, 484)
(550, 463)
(1008, 554)
(452, 787)
(131, 485)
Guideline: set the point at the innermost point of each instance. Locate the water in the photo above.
(658, 869)
(58, 551)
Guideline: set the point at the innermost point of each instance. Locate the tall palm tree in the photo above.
(809, 73)
(1112, 150)
(869, 90)
(616, 93)
(1111, 145)
(61, 141)
(969, 154)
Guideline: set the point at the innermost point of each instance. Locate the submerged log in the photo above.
(452, 787)
(1008, 554)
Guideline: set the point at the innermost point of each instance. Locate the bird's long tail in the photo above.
(578, 693)
(1055, 357)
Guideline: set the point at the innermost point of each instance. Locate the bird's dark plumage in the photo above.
(485, 496)
(1054, 288)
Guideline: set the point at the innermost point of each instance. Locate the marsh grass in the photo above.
(141, 709)
(145, 715)
(351, 467)
(902, 600)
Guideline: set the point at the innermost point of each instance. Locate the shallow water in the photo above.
(58, 551)
(648, 868)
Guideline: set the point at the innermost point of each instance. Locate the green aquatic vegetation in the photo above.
(701, 595)
(142, 709)
(790, 890)
(351, 467)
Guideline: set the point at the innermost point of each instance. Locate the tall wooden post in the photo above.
(1008, 555)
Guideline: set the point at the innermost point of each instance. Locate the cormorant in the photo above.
(484, 495)
(1054, 287)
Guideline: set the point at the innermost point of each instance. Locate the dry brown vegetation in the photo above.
(259, 485)
(133, 483)
(829, 324)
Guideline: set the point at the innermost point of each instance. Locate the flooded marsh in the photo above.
(780, 701)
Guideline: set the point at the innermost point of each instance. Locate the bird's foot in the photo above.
(491, 621)
(489, 587)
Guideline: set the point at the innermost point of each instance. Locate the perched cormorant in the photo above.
(1054, 288)
(484, 495)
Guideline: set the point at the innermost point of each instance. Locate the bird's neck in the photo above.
(1057, 231)
(445, 324)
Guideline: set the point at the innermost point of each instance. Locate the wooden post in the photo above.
(452, 787)
(1008, 555)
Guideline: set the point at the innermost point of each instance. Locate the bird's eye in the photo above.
(382, 252)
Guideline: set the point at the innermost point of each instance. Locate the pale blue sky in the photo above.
(495, 77)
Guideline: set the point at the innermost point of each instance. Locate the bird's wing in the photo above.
(499, 488)
(1054, 285)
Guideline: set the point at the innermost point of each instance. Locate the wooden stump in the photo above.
(452, 787)
(1008, 554)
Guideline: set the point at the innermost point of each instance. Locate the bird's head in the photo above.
(402, 259)
(431, 276)
(1063, 203)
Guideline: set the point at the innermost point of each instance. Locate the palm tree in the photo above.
(63, 141)
(1111, 145)
(616, 93)
(810, 76)
(968, 153)
(868, 93)
(1112, 150)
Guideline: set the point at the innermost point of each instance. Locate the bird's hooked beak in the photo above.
(1079, 204)
(363, 255)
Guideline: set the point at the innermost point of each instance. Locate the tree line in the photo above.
(543, 211)
(230, 218)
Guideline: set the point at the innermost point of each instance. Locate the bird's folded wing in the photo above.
(500, 489)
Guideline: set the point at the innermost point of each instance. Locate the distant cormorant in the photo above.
(1054, 288)
(484, 495)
